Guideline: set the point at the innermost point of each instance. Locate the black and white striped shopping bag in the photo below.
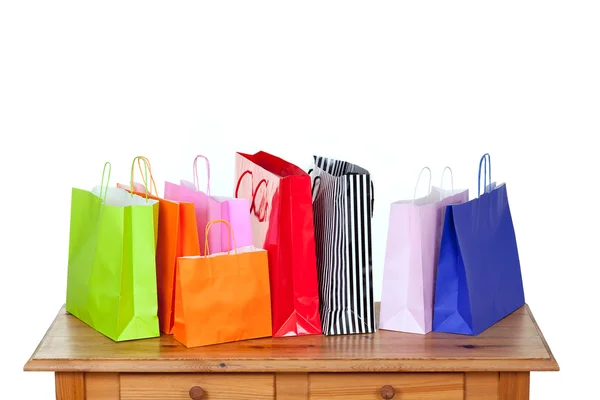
(343, 208)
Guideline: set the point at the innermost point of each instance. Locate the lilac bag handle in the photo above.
(485, 160)
(196, 180)
(451, 181)
(419, 179)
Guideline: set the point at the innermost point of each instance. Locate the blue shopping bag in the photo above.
(479, 274)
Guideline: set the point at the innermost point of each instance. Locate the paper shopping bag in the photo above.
(208, 208)
(411, 257)
(479, 273)
(282, 223)
(111, 282)
(222, 297)
(177, 237)
(343, 206)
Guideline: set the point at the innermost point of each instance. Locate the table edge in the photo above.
(546, 345)
(263, 365)
(292, 365)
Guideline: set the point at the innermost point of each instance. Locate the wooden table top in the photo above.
(513, 344)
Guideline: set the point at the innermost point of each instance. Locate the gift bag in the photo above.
(479, 274)
(282, 223)
(111, 279)
(177, 237)
(208, 208)
(343, 207)
(411, 258)
(222, 297)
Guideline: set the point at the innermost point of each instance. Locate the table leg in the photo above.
(514, 386)
(69, 385)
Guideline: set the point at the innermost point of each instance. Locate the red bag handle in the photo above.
(237, 188)
(260, 217)
(264, 209)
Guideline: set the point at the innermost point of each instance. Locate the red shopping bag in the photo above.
(282, 223)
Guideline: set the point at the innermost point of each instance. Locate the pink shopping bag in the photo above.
(412, 251)
(234, 211)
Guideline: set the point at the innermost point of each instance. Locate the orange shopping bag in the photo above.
(177, 236)
(222, 297)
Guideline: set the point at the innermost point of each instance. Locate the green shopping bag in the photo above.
(111, 284)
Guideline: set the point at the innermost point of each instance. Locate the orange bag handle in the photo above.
(231, 235)
(146, 183)
(145, 176)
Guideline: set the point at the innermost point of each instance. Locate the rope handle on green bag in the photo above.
(102, 186)
(230, 236)
(485, 160)
(147, 168)
(196, 179)
(419, 180)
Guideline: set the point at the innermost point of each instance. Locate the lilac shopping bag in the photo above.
(234, 211)
(412, 251)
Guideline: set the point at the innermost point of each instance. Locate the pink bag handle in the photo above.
(196, 179)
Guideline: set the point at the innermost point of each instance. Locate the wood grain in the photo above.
(407, 386)
(69, 385)
(481, 386)
(513, 344)
(102, 386)
(514, 386)
(291, 386)
(215, 386)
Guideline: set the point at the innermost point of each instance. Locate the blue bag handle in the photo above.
(485, 160)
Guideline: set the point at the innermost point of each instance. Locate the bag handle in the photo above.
(485, 160)
(231, 236)
(314, 184)
(419, 179)
(104, 188)
(196, 179)
(147, 169)
(451, 181)
(451, 178)
(257, 213)
(150, 184)
(239, 182)
(372, 199)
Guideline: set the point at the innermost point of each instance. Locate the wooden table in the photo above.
(384, 365)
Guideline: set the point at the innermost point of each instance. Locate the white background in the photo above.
(390, 86)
